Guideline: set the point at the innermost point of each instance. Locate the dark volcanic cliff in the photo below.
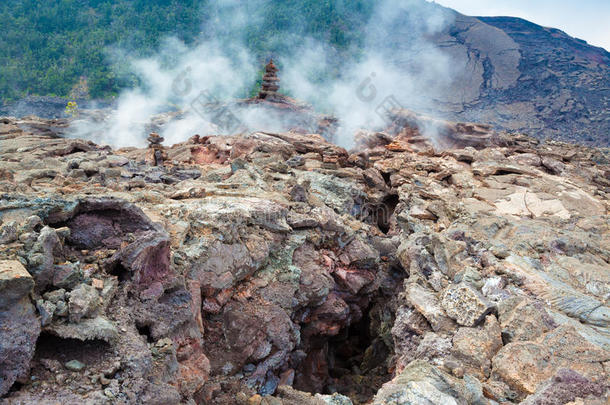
(527, 78)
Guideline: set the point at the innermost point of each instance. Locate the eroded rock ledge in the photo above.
(279, 269)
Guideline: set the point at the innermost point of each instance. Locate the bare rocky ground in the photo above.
(280, 269)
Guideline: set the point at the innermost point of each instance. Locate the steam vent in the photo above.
(271, 82)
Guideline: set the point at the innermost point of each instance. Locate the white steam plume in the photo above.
(203, 68)
(399, 66)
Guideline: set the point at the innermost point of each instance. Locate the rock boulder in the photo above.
(19, 326)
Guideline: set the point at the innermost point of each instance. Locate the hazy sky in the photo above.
(584, 19)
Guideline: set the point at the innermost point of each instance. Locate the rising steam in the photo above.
(399, 66)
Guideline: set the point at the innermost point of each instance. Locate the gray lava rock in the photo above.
(8, 233)
(116, 160)
(46, 310)
(31, 224)
(359, 253)
(552, 165)
(67, 275)
(426, 303)
(373, 179)
(42, 257)
(89, 168)
(73, 164)
(335, 399)
(299, 193)
(55, 295)
(465, 304)
(168, 179)
(112, 173)
(296, 161)
(61, 308)
(87, 329)
(84, 300)
(19, 327)
(75, 365)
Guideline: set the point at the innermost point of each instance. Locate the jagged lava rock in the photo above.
(464, 304)
(525, 365)
(228, 272)
(19, 326)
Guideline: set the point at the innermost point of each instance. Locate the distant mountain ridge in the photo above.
(533, 79)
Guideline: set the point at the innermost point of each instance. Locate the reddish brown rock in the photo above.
(19, 326)
(475, 347)
(565, 386)
(525, 321)
(525, 365)
(194, 366)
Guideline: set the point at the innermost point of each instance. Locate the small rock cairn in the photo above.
(155, 145)
(270, 82)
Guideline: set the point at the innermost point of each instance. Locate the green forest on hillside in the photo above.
(47, 47)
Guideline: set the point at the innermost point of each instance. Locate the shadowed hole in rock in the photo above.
(386, 178)
(346, 351)
(357, 360)
(120, 272)
(352, 363)
(73, 149)
(505, 172)
(50, 347)
(144, 330)
(14, 388)
(385, 212)
(100, 224)
(377, 214)
(397, 271)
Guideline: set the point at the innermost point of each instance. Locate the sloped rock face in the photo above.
(553, 66)
(566, 349)
(564, 387)
(19, 326)
(422, 383)
(279, 268)
(505, 71)
(527, 78)
(513, 74)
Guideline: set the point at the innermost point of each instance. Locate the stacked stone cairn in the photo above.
(157, 153)
(270, 84)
